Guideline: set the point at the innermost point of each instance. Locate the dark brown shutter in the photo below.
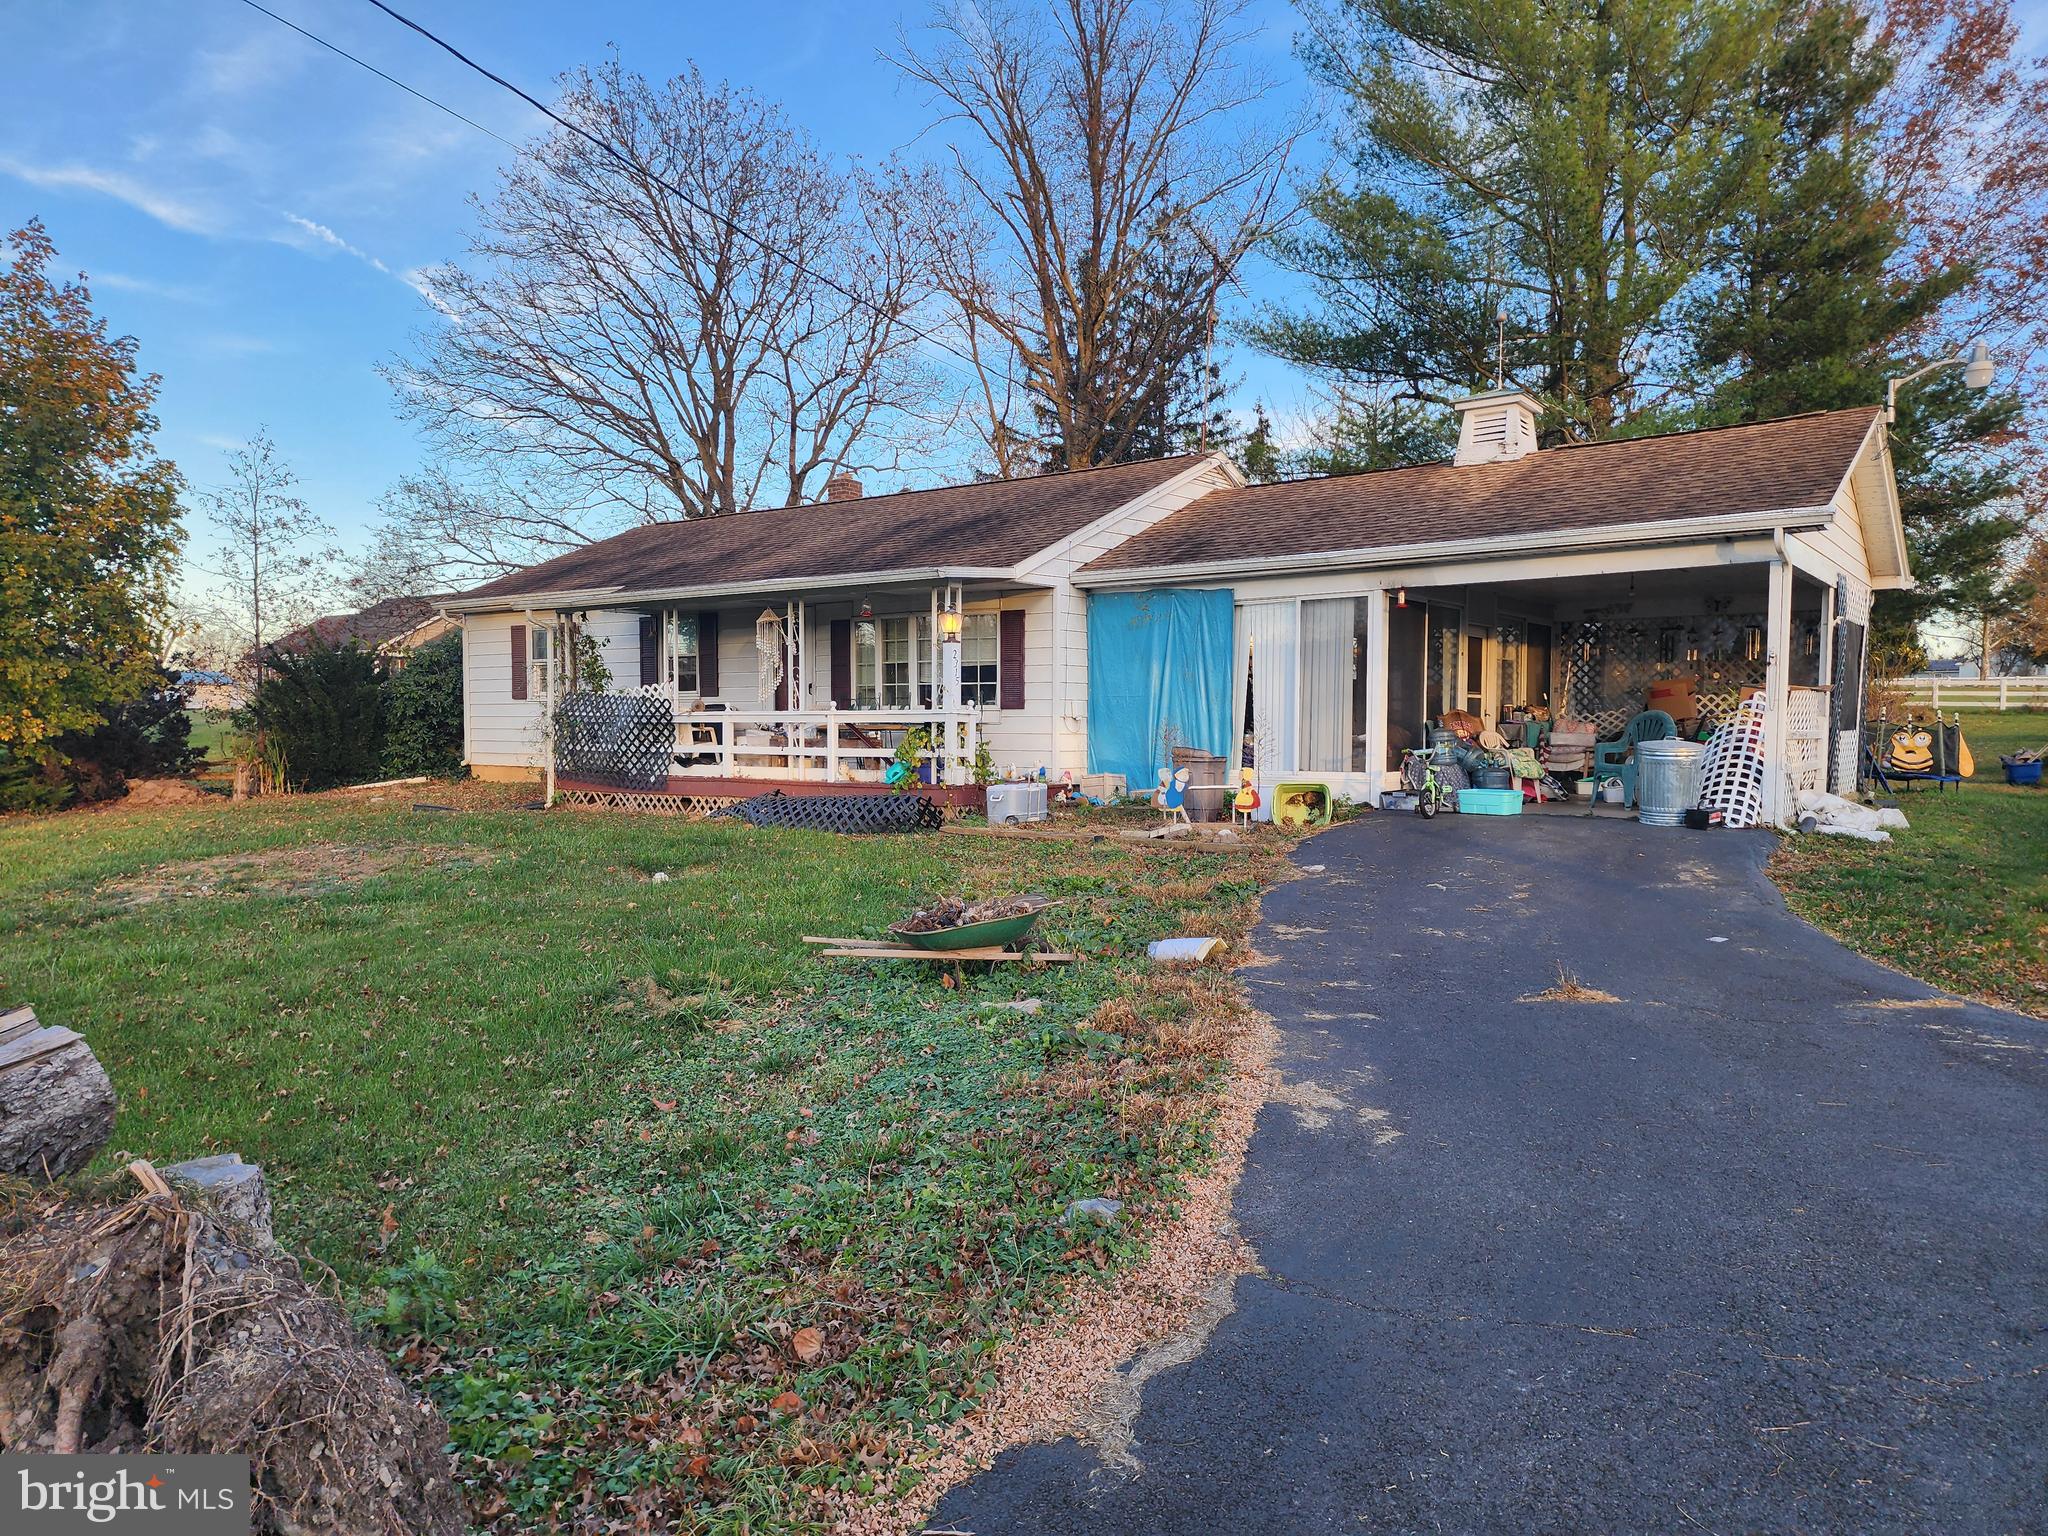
(1010, 659)
(518, 661)
(707, 654)
(842, 663)
(650, 650)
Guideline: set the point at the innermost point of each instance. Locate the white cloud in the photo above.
(237, 344)
(122, 282)
(262, 59)
(326, 236)
(164, 208)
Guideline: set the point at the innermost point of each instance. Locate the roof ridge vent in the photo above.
(1495, 426)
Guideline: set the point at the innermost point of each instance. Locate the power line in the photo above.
(612, 151)
(335, 48)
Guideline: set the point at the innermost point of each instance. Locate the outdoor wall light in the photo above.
(949, 624)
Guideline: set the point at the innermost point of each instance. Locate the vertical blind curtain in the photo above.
(1326, 646)
(1158, 663)
(1266, 655)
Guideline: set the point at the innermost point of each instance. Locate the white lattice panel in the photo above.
(1806, 738)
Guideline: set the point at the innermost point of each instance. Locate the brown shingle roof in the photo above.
(992, 524)
(369, 628)
(1796, 461)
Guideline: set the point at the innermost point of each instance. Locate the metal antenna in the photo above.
(1500, 347)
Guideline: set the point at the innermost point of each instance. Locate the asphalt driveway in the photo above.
(1757, 1247)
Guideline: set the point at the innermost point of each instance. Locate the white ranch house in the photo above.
(1322, 622)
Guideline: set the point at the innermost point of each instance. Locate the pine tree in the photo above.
(1814, 308)
(1363, 433)
(1571, 167)
(1808, 306)
(1258, 456)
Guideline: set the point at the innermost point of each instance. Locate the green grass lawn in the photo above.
(676, 1222)
(214, 734)
(1960, 900)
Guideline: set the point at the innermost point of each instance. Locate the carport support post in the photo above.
(1777, 692)
(1375, 693)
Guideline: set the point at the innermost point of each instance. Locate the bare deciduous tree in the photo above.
(440, 533)
(710, 319)
(1099, 208)
(277, 556)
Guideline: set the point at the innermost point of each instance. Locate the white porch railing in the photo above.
(830, 745)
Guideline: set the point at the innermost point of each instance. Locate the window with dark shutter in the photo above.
(707, 653)
(842, 663)
(518, 661)
(650, 650)
(1011, 643)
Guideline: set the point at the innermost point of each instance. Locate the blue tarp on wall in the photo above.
(1156, 660)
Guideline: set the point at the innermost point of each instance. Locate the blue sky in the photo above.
(249, 206)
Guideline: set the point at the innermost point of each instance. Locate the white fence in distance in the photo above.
(1975, 693)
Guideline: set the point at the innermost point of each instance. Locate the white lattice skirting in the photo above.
(659, 805)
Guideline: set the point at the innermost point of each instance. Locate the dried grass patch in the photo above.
(1569, 989)
(306, 870)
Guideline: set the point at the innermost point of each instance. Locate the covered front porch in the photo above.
(715, 698)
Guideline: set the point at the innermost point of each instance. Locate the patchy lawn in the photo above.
(682, 1227)
(1961, 900)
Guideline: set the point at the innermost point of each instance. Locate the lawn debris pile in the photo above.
(952, 912)
(145, 1322)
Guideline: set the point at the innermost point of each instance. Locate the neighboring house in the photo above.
(1319, 624)
(392, 629)
(210, 690)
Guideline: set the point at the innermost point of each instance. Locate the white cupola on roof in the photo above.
(1495, 427)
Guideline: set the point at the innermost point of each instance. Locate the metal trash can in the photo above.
(1667, 780)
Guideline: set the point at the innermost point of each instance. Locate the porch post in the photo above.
(1777, 691)
(1375, 693)
(556, 661)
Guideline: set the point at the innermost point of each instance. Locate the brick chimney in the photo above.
(1496, 426)
(843, 487)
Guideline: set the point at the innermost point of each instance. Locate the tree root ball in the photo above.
(146, 1323)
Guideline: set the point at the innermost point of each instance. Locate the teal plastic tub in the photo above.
(1489, 802)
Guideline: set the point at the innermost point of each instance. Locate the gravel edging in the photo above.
(1065, 1374)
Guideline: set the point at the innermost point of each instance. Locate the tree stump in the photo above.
(56, 1105)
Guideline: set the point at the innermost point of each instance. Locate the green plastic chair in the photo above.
(1615, 759)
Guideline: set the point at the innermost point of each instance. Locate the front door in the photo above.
(1476, 679)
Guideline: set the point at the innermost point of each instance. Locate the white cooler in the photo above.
(1011, 803)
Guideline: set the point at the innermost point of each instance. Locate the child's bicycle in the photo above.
(1419, 771)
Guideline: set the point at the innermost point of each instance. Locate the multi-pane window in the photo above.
(978, 659)
(899, 662)
(893, 666)
(538, 660)
(682, 652)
